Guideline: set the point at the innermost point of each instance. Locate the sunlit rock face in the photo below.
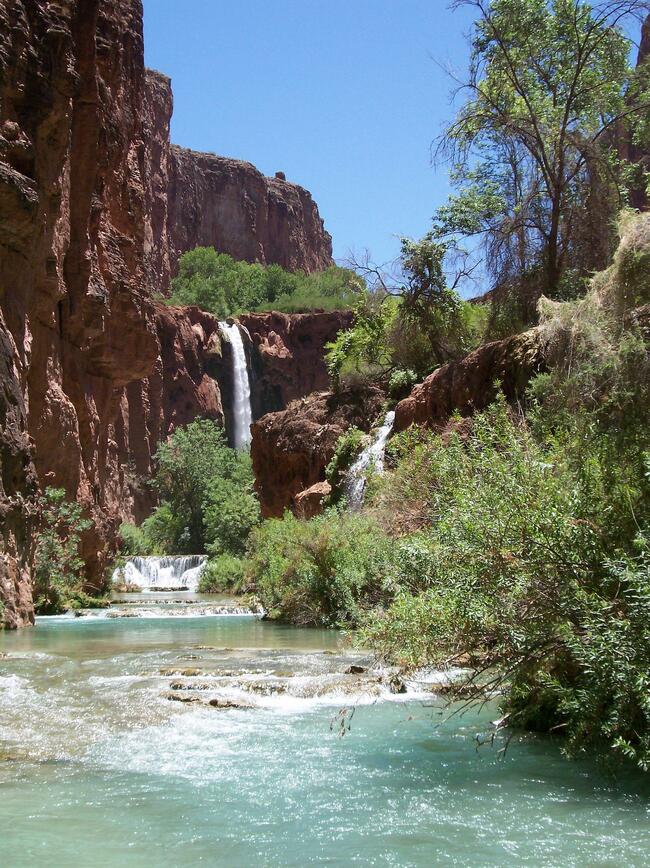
(469, 384)
(91, 195)
(291, 448)
(228, 204)
(288, 355)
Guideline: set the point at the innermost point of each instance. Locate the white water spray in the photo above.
(241, 404)
(180, 573)
(372, 456)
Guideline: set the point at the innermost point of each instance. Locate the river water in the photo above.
(98, 767)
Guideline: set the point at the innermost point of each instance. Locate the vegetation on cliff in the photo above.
(516, 542)
(226, 287)
(58, 566)
(520, 542)
(207, 504)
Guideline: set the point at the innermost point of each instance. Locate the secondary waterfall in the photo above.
(180, 573)
(241, 403)
(372, 456)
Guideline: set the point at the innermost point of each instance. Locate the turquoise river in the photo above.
(112, 755)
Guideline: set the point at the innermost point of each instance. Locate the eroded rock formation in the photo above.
(469, 384)
(291, 449)
(229, 204)
(289, 355)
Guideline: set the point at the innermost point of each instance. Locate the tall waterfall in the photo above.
(180, 573)
(372, 455)
(241, 404)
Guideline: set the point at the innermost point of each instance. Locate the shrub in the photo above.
(58, 567)
(222, 573)
(401, 382)
(224, 286)
(346, 450)
(206, 488)
(134, 541)
(317, 572)
(529, 560)
(231, 510)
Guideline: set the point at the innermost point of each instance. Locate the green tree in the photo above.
(223, 286)
(206, 492)
(58, 566)
(548, 89)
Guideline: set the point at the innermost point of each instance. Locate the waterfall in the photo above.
(241, 404)
(180, 573)
(372, 456)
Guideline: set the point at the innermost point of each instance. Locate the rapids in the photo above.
(99, 767)
(151, 573)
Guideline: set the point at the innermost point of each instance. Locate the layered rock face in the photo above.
(291, 449)
(72, 269)
(288, 358)
(17, 492)
(229, 204)
(92, 374)
(469, 384)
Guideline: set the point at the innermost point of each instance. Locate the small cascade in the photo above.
(181, 573)
(372, 456)
(241, 404)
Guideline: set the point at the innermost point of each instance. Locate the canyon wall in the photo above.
(92, 221)
(229, 204)
(470, 384)
(291, 448)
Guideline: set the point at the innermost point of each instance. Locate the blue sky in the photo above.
(344, 96)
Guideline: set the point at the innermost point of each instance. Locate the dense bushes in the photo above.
(401, 336)
(58, 567)
(224, 572)
(206, 490)
(207, 503)
(318, 572)
(224, 286)
(532, 563)
(520, 545)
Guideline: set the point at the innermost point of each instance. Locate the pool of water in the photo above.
(98, 767)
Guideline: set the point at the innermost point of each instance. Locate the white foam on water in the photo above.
(174, 573)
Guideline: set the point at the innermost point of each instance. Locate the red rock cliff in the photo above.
(92, 374)
(230, 205)
(291, 448)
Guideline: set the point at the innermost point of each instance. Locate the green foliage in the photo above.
(333, 289)
(538, 181)
(365, 346)
(401, 382)
(207, 500)
(531, 562)
(134, 541)
(347, 448)
(419, 327)
(206, 492)
(58, 567)
(317, 572)
(222, 573)
(224, 286)
(231, 510)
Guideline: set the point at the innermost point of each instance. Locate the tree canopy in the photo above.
(534, 146)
